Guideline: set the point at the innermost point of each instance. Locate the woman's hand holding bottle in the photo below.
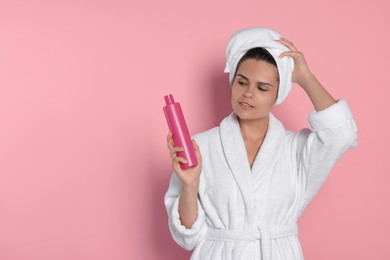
(189, 177)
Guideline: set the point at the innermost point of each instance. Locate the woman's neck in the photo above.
(254, 130)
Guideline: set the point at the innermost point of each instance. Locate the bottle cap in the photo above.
(169, 99)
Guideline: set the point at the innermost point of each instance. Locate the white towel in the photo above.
(241, 41)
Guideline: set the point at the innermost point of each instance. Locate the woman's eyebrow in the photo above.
(243, 76)
(260, 82)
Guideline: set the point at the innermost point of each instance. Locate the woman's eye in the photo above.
(241, 83)
(262, 89)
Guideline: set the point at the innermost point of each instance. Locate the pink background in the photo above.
(83, 160)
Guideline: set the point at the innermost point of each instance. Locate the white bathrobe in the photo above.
(251, 213)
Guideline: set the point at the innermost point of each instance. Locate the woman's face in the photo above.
(254, 89)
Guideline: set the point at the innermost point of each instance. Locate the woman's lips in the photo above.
(245, 105)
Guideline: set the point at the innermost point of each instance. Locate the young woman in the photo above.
(254, 178)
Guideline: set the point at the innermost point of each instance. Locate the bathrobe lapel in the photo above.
(236, 156)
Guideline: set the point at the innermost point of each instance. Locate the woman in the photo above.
(254, 178)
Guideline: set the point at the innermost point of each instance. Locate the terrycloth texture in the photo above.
(246, 213)
(240, 42)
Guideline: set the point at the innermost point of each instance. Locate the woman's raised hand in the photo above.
(189, 177)
(301, 70)
(301, 74)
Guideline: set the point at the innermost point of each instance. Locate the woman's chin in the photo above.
(250, 114)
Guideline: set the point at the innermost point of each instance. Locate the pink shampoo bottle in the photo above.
(180, 134)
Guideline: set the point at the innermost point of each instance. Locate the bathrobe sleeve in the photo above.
(186, 238)
(332, 133)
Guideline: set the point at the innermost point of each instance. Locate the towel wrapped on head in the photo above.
(242, 41)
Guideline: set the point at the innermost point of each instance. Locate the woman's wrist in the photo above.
(190, 188)
(307, 80)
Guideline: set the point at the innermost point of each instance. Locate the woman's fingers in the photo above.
(170, 143)
(293, 54)
(177, 149)
(180, 159)
(169, 140)
(176, 163)
(174, 150)
(287, 43)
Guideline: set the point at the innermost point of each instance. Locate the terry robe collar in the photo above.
(236, 155)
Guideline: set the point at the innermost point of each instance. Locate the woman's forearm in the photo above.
(318, 95)
(188, 206)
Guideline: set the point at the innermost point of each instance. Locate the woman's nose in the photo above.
(248, 93)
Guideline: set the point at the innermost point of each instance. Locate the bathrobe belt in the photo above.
(265, 234)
